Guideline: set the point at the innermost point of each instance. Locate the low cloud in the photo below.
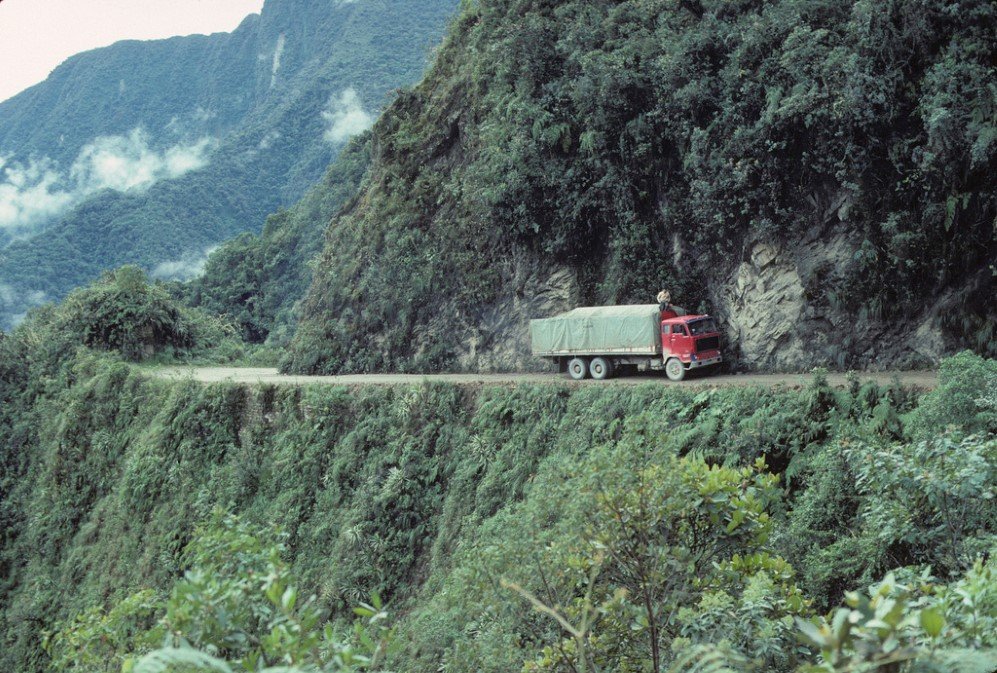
(345, 117)
(204, 115)
(187, 267)
(14, 304)
(38, 191)
(128, 163)
(29, 194)
(268, 140)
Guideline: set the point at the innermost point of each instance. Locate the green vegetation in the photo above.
(235, 608)
(162, 526)
(666, 526)
(606, 136)
(126, 314)
(255, 281)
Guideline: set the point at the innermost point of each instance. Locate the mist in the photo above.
(29, 194)
(345, 117)
(187, 267)
(35, 192)
(12, 300)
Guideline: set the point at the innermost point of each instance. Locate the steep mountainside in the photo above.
(816, 173)
(155, 152)
(255, 280)
(207, 82)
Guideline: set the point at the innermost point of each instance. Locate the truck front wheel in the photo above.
(674, 369)
(601, 368)
(578, 369)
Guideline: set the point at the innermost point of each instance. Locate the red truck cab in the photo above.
(688, 342)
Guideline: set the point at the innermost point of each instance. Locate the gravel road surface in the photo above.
(264, 376)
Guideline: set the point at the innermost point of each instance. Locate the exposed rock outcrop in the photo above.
(501, 340)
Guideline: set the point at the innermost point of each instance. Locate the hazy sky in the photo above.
(38, 35)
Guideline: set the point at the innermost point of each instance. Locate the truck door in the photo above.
(677, 340)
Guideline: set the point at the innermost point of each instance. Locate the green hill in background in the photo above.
(156, 152)
(255, 281)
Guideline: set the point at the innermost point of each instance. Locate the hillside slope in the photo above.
(428, 494)
(154, 153)
(818, 174)
(255, 281)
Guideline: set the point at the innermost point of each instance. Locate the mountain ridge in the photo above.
(298, 71)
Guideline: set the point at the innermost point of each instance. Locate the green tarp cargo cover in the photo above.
(599, 329)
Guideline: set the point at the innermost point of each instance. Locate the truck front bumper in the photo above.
(704, 362)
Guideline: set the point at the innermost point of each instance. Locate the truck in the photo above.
(598, 341)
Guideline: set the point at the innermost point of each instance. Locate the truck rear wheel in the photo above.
(601, 368)
(674, 369)
(578, 369)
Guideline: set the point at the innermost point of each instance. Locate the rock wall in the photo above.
(501, 340)
(776, 310)
(779, 313)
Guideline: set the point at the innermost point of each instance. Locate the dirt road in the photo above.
(919, 379)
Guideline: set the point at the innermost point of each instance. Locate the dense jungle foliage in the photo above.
(648, 143)
(150, 525)
(262, 96)
(125, 313)
(255, 280)
(652, 527)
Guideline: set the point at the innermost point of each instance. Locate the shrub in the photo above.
(123, 312)
(236, 608)
(917, 626)
(966, 398)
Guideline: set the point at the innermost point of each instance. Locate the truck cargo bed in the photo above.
(599, 330)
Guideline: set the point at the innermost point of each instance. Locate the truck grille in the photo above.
(710, 343)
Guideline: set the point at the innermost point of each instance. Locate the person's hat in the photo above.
(664, 295)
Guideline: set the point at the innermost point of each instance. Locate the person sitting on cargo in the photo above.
(666, 307)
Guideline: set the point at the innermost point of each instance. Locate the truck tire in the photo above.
(578, 368)
(601, 368)
(674, 369)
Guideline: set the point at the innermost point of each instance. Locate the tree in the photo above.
(237, 608)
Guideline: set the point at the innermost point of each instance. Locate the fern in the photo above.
(709, 659)
(167, 658)
(958, 660)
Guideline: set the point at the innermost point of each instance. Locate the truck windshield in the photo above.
(704, 326)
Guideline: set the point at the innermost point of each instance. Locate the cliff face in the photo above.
(155, 152)
(816, 174)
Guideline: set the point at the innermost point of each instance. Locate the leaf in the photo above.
(289, 598)
(163, 659)
(811, 632)
(932, 621)
(274, 592)
(950, 208)
(959, 660)
(736, 519)
(708, 659)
